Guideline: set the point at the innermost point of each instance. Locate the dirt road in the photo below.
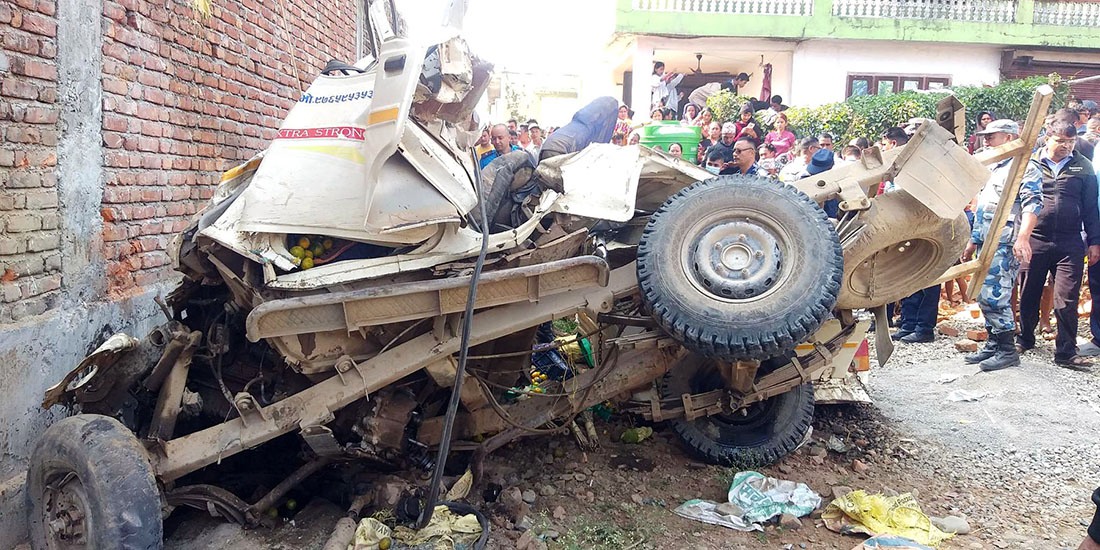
(1014, 452)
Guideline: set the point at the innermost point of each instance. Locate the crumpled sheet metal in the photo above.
(103, 357)
(876, 514)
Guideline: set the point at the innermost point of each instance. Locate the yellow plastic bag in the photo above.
(443, 531)
(876, 514)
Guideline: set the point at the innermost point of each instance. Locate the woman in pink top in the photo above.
(781, 138)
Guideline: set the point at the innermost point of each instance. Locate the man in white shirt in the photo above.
(796, 168)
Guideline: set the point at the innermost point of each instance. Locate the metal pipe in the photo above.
(287, 484)
(1083, 80)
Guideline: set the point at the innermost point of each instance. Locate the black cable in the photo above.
(460, 373)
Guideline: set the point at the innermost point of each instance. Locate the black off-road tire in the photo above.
(97, 465)
(908, 245)
(739, 267)
(757, 436)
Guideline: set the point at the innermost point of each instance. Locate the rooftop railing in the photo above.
(980, 11)
(738, 7)
(1069, 14)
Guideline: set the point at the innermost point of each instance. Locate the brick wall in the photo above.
(186, 97)
(30, 262)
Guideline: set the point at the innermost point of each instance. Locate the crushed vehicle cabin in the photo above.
(364, 292)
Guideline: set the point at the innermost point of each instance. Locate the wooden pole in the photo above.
(1040, 104)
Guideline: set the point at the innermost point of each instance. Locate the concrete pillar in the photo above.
(641, 94)
(80, 177)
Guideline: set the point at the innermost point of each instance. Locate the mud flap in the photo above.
(884, 346)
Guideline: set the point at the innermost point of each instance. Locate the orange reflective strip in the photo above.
(384, 115)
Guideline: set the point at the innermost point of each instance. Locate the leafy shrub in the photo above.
(869, 116)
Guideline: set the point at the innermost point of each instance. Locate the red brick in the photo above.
(40, 115)
(15, 87)
(966, 346)
(19, 223)
(112, 140)
(946, 329)
(977, 335)
(39, 24)
(115, 86)
(34, 68)
(21, 43)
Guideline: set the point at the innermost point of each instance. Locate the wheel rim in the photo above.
(907, 259)
(66, 512)
(736, 259)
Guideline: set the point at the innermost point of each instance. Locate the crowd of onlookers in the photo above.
(1051, 242)
(758, 141)
(1049, 247)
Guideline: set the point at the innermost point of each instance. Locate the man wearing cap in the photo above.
(536, 137)
(822, 161)
(724, 147)
(1069, 206)
(1013, 248)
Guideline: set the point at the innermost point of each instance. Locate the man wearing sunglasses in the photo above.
(744, 158)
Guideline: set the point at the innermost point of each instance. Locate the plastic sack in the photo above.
(890, 542)
(369, 534)
(875, 514)
(708, 512)
(753, 498)
(764, 497)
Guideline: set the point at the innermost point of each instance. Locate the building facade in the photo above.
(823, 51)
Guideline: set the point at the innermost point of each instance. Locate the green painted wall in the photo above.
(824, 25)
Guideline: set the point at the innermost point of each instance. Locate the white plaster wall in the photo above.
(733, 55)
(821, 67)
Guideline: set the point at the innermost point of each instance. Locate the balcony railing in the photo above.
(981, 11)
(738, 7)
(1073, 14)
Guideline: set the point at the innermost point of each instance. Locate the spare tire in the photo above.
(754, 436)
(902, 248)
(739, 267)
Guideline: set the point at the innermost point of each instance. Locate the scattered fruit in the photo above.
(298, 252)
(307, 263)
(303, 242)
(317, 250)
(327, 244)
(291, 504)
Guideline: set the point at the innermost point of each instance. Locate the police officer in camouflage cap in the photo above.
(1013, 248)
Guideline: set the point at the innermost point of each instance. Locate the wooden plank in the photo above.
(1040, 104)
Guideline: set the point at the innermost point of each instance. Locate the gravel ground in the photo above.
(1025, 446)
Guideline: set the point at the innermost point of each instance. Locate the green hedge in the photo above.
(869, 116)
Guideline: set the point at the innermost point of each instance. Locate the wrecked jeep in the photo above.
(362, 293)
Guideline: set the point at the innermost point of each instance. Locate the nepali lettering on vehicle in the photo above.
(349, 132)
(310, 98)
